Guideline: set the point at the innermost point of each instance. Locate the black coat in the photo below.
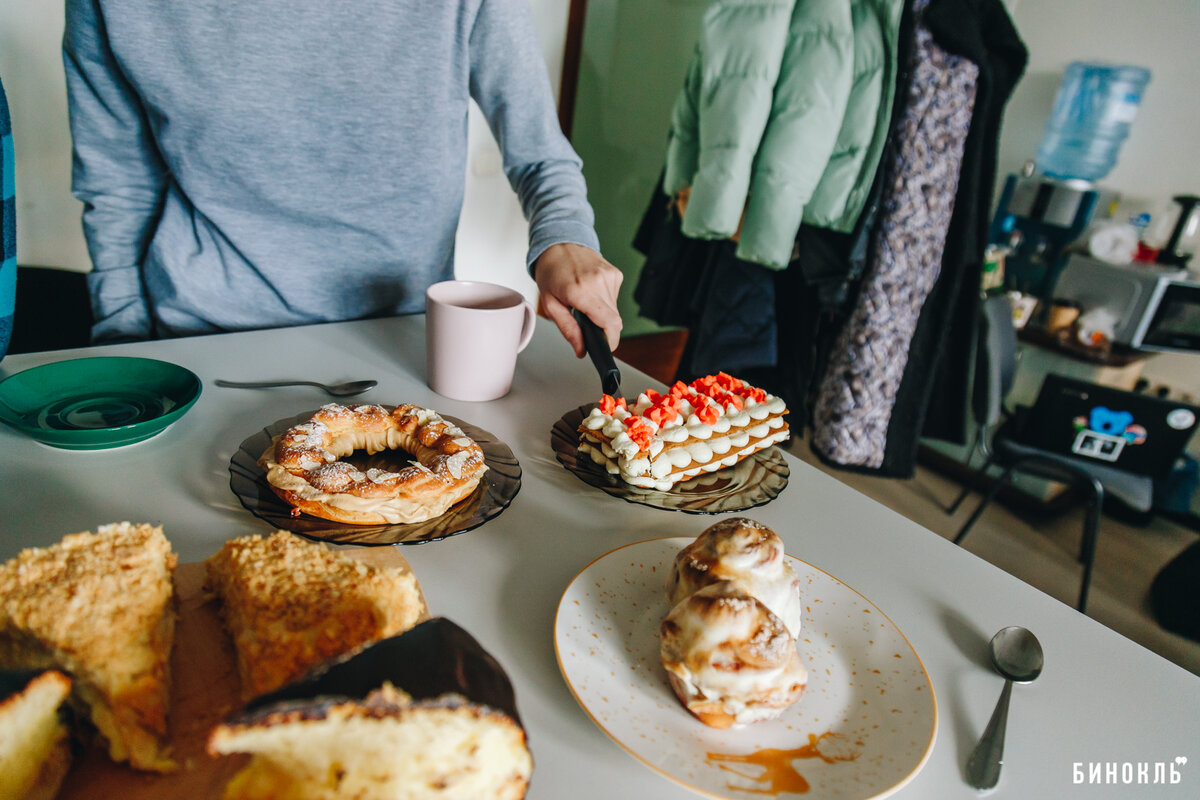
(934, 395)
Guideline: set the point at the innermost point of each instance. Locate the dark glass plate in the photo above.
(751, 482)
(496, 490)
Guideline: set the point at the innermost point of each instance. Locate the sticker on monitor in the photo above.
(1091, 444)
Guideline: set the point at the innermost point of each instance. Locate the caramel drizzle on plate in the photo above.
(778, 775)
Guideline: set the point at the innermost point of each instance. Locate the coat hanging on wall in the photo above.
(932, 397)
(895, 274)
(854, 405)
(752, 161)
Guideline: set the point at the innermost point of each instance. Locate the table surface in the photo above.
(1104, 705)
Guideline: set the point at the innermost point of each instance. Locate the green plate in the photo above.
(97, 403)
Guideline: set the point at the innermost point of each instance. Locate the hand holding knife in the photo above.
(597, 347)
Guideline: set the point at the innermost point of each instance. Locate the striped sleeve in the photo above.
(8, 221)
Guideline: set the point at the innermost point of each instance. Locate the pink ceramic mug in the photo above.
(473, 332)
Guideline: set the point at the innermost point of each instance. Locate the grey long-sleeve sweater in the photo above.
(281, 162)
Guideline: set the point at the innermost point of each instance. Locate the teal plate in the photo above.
(97, 403)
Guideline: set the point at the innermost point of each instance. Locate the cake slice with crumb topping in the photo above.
(100, 606)
(289, 603)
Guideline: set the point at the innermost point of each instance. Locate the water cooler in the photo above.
(1043, 211)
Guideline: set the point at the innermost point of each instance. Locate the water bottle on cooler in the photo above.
(1092, 115)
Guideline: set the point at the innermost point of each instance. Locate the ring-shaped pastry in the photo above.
(303, 465)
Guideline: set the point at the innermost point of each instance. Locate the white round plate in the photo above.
(864, 728)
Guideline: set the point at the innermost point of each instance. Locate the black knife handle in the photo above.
(597, 347)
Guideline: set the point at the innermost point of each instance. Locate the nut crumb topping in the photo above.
(290, 603)
(100, 606)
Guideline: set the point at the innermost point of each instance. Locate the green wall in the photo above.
(634, 56)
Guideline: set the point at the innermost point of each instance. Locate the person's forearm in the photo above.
(511, 86)
(119, 306)
(552, 197)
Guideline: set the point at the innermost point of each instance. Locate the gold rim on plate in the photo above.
(868, 695)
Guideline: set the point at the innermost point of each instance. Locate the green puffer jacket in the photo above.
(782, 119)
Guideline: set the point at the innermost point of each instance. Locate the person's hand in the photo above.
(573, 276)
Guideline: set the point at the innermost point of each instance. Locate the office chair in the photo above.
(995, 368)
(995, 372)
(53, 310)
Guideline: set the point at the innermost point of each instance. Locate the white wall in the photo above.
(492, 236)
(1159, 159)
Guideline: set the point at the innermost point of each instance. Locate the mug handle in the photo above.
(527, 326)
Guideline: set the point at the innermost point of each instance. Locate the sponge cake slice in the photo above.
(426, 715)
(99, 606)
(35, 747)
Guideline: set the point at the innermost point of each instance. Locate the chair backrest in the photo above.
(996, 359)
(53, 310)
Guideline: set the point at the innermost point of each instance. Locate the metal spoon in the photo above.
(1017, 655)
(336, 389)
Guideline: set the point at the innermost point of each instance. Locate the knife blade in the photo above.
(597, 347)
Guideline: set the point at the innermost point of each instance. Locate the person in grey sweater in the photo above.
(275, 163)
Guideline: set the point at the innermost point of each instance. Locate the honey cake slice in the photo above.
(35, 744)
(426, 715)
(289, 603)
(100, 606)
(386, 745)
(661, 439)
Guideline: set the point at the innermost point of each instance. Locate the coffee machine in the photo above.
(1036, 218)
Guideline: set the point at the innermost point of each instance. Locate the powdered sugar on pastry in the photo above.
(101, 607)
(303, 464)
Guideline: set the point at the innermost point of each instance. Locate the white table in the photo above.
(1101, 700)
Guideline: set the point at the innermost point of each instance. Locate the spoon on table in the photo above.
(336, 389)
(1016, 655)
